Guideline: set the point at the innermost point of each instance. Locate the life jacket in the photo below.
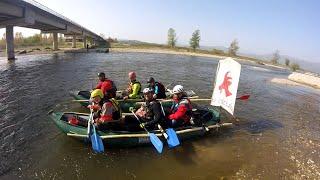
(129, 89)
(149, 111)
(185, 101)
(117, 114)
(161, 94)
(113, 91)
(73, 120)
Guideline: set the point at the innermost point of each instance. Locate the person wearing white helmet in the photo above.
(134, 87)
(150, 113)
(181, 108)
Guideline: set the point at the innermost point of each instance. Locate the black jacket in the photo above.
(154, 113)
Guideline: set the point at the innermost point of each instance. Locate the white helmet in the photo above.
(147, 90)
(177, 89)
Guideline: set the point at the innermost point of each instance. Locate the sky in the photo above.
(261, 27)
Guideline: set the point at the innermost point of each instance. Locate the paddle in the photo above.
(157, 143)
(166, 87)
(172, 138)
(244, 97)
(96, 141)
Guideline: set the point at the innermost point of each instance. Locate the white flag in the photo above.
(226, 84)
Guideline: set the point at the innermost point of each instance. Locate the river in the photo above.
(277, 135)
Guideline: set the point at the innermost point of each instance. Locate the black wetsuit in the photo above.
(153, 117)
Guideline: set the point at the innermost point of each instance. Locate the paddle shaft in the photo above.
(244, 97)
(89, 121)
(139, 121)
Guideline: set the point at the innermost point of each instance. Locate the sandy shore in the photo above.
(305, 78)
(299, 79)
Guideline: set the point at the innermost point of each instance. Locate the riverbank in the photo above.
(188, 53)
(305, 78)
(47, 50)
(293, 79)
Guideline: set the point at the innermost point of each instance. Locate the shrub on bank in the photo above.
(294, 67)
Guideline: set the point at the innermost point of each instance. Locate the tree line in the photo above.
(35, 40)
(194, 44)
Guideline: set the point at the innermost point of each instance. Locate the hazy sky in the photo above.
(292, 26)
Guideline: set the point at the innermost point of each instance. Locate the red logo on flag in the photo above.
(225, 84)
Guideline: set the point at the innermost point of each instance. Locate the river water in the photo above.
(277, 135)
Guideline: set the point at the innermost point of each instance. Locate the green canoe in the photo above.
(83, 97)
(206, 119)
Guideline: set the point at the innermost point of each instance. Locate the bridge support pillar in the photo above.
(84, 41)
(55, 41)
(10, 42)
(74, 41)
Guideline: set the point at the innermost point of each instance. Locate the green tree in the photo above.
(234, 47)
(172, 39)
(18, 38)
(287, 62)
(295, 67)
(195, 40)
(275, 57)
(89, 40)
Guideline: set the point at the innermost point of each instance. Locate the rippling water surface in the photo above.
(277, 135)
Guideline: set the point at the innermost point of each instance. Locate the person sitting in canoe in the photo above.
(181, 109)
(107, 86)
(104, 111)
(158, 88)
(134, 87)
(150, 113)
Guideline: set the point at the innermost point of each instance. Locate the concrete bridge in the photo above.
(31, 14)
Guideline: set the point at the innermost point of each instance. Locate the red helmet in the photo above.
(132, 75)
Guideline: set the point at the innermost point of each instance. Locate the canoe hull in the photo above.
(128, 139)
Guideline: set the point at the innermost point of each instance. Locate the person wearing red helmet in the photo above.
(134, 87)
(107, 86)
(181, 110)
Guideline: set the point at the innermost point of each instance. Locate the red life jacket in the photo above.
(181, 110)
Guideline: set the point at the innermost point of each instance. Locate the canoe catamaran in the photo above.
(205, 119)
(83, 97)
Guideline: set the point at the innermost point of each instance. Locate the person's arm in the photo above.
(156, 108)
(135, 91)
(179, 113)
